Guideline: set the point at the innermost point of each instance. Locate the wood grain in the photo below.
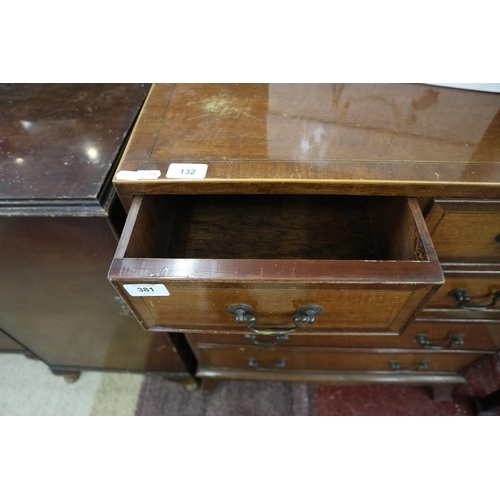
(465, 231)
(483, 337)
(378, 139)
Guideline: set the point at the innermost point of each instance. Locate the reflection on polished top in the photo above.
(59, 141)
(324, 122)
(338, 134)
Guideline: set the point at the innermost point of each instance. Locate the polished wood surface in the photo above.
(381, 139)
(58, 142)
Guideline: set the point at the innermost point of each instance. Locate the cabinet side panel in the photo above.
(55, 298)
(9, 345)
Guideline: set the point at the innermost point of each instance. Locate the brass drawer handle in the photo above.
(243, 313)
(395, 366)
(278, 339)
(423, 340)
(460, 295)
(253, 363)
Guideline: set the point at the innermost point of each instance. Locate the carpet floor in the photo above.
(27, 387)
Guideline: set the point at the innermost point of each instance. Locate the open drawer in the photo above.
(224, 263)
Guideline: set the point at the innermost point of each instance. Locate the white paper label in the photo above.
(187, 171)
(143, 290)
(137, 175)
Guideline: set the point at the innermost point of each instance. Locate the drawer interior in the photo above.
(275, 227)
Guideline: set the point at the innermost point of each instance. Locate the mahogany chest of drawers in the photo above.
(326, 233)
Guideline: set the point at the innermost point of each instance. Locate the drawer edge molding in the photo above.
(346, 350)
(340, 378)
(345, 273)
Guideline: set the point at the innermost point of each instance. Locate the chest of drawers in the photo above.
(316, 232)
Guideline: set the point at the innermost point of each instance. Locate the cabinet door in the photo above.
(55, 298)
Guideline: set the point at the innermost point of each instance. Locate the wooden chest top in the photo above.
(387, 139)
(59, 142)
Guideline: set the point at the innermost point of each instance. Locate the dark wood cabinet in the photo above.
(7, 344)
(372, 203)
(60, 220)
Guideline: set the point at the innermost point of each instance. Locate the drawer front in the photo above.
(364, 283)
(469, 294)
(206, 309)
(432, 336)
(262, 359)
(465, 231)
(457, 336)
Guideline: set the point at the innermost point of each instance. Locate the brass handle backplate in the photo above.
(423, 340)
(277, 339)
(253, 363)
(244, 314)
(460, 295)
(395, 366)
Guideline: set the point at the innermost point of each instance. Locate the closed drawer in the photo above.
(432, 336)
(367, 262)
(465, 231)
(459, 335)
(310, 359)
(469, 295)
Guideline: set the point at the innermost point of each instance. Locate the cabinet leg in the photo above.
(191, 384)
(70, 377)
(208, 385)
(443, 392)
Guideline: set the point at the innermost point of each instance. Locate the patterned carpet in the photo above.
(27, 387)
